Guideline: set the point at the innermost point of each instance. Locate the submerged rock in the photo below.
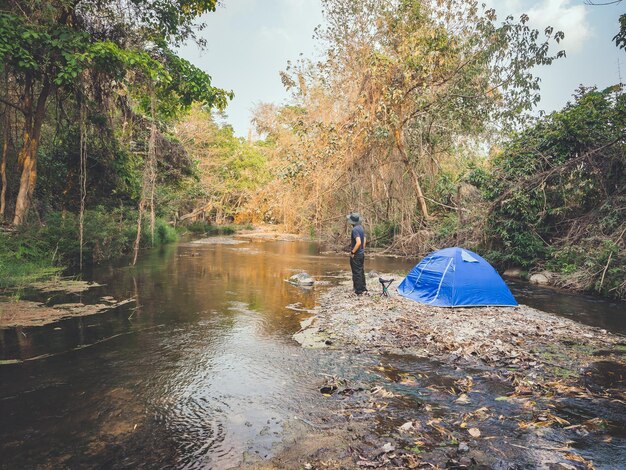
(310, 335)
(27, 313)
(311, 338)
(69, 286)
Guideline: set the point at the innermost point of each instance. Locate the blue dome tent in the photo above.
(454, 277)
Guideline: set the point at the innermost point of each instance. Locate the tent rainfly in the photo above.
(454, 277)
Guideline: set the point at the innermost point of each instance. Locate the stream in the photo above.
(202, 371)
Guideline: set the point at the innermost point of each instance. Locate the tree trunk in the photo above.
(28, 154)
(3, 168)
(142, 204)
(149, 180)
(82, 178)
(152, 164)
(415, 177)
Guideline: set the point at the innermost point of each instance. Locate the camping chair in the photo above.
(385, 283)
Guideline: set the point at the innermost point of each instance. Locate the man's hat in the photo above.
(354, 218)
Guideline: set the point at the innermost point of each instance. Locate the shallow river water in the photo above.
(202, 371)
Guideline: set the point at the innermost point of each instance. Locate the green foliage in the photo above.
(477, 176)
(620, 37)
(445, 188)
(229, 169)
(557, 193)
(114, 173)
(446, 226)
(41, 251)
(51, 50)
(186, 84)
(164, 233)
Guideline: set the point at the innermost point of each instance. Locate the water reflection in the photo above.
(588, 309)
(200, 369)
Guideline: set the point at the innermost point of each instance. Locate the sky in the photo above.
(250, 41)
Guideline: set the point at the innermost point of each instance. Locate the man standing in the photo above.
(357, 253)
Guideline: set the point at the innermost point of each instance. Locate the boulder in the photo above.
(541, 279)
(301, 279)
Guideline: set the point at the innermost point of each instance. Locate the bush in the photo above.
(199, 226)
(164, 233)
(557, 195)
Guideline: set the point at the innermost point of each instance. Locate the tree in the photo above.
(230, 169)
(557, 193)
(620, 37)
(405, 86)
(121, 45)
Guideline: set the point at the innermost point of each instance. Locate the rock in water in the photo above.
(301, 279)
(540, 279)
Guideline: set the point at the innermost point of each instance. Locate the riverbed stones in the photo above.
(517, 338)
(217, 241)
(532, 359)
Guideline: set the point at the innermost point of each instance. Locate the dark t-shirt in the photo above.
(357, 232)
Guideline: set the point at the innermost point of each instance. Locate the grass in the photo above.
(37, 252)
(24, 259)
(15, 274)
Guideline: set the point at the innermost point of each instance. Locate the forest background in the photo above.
(418, 114)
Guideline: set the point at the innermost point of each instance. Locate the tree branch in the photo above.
(12, 105)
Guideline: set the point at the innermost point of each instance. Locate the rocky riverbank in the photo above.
(525, 341)
(514, 383)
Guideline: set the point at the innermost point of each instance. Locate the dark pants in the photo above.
(358, 272)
